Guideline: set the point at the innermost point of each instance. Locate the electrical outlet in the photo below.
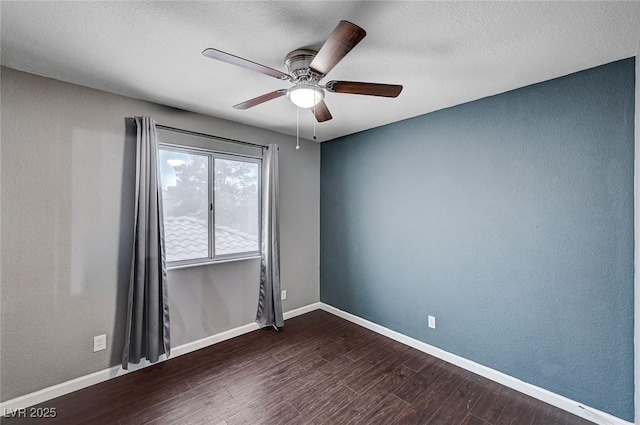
(283, 294)
(432, 322)
(99, 343)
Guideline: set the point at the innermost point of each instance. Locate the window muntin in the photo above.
(211, 205)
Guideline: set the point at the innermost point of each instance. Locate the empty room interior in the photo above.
(319, 212)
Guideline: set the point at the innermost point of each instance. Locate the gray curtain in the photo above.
(269, 304)
(147, 332)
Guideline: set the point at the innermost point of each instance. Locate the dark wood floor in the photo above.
(319, 370)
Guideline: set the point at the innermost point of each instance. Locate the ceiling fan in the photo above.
(305, 70)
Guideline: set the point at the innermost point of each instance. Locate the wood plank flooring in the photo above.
(319, 370)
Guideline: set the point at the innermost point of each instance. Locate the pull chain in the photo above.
(297, 128)
(314, 122)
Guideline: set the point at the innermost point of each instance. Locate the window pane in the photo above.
(237, 206)
(185, 202)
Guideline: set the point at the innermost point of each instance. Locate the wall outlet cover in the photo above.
(432, 322)
(283, 294)
(99, 343)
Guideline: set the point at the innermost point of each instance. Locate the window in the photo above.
(211, 205)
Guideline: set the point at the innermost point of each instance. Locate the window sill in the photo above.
(208, 263)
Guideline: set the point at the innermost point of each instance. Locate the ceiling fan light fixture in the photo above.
(305, 96)
(306, 68)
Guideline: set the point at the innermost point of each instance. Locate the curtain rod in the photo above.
(209, 136)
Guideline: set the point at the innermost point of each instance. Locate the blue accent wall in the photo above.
(510, 219)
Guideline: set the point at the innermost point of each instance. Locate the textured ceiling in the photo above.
(444, 53)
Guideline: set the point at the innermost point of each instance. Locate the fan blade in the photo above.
(321, 112)
(244, 63)
(343, 38)
(368, 89)
(260, 99)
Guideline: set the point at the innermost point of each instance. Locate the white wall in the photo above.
(67, 175)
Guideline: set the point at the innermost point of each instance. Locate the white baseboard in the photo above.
(546, 396)
(85, 381)
(302, 310)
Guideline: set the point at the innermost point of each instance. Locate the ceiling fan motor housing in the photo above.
(297, 63)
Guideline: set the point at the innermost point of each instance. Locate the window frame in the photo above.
(212, 155)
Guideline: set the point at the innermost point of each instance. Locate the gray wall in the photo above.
(510, 219)
(67, 175)
(637, 253)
